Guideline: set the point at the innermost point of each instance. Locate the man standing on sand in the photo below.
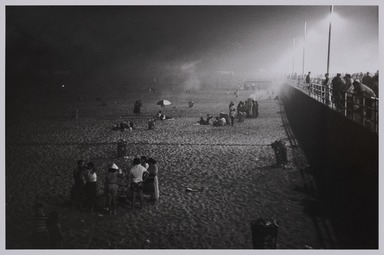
(78, 189)
(138, 175)
(232, 114)
(230, 105)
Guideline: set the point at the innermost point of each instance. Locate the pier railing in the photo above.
(361, 109)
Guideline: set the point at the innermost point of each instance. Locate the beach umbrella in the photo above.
(163, 102)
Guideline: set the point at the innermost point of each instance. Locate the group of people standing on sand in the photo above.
(249, 109)
(142, 178)
(84, 190)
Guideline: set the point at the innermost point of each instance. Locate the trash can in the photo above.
(264, 233)
(121, 148)
(280, 152)
(190, 104)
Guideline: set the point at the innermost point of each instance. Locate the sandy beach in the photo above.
(232, 167)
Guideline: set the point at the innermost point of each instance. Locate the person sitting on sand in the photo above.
(219, 122)
(138, 175)
(161, 116)
(205, 122)
(111, 187)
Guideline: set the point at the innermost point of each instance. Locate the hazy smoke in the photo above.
(190, 77)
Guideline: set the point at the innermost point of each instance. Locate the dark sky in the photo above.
(123, 43)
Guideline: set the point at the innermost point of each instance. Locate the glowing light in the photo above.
(63, 86)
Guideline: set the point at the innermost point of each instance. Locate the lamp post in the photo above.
(293, 55)
(305, 34)
(329, 37)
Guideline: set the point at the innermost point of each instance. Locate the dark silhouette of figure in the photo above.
(337, 85)
(78, 189)
(367, 80)
(308, 78)
(137, 107)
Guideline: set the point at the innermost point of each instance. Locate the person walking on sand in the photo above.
(138, 175)
(78, 190)
(54, 230)
(91, 186)
(111, 188)
(151, 184)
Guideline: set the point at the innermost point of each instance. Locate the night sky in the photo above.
(172, 44)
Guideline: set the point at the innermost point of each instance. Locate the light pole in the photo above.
(293, 55)
(305, 34)
(329, 37)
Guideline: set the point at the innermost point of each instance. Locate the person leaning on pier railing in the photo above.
(337, 84)
(347, 96)
(364, 99)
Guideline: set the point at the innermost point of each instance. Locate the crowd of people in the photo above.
(347, 80)
(354, 93)
(139, 183)
(143, 171)
(247, 109)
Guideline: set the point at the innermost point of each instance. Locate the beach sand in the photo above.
(234, 169)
